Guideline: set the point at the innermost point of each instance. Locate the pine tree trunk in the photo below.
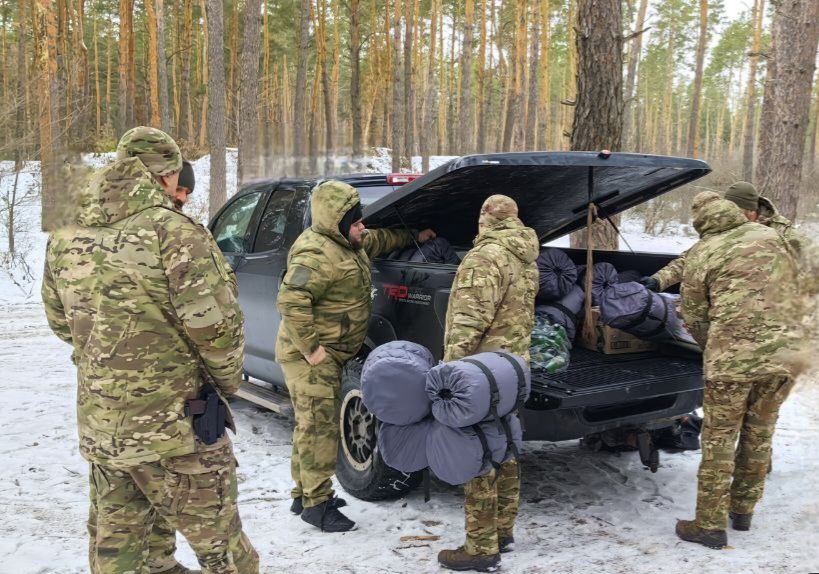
(326, 88)
(301, 85)
(98, 102)
(792, 61)
(125, 7)
(544, 116)
(427, 130)
(631, 99)
(355, 76)
(598, 116)
(534, 84)
(409, 100)
(20, 151)
(153, 62)
(694, 120)
(186, 113)
(758, 15)
(513, 108)
(162, 67)
(466, 122)
(216, 106)
(249, 92)
(570, 86)
(397, 111)
(204, 65)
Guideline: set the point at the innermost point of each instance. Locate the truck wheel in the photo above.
(360, 468)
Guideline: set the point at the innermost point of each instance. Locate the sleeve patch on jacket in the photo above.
(300, 276)
(465, 277)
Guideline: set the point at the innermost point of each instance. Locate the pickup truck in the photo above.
(598, 392)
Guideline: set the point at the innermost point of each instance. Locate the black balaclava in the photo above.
(186, 176)
(353, 214)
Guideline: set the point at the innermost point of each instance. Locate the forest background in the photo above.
(296, 84)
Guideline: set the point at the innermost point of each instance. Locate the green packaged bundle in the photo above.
(550, 347)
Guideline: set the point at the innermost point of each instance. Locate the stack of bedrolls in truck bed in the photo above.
(624, 303)
(458, 418)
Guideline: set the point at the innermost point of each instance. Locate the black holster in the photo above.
(209, 415)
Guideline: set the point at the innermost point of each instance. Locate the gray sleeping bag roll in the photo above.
(634, 309)
(436, 250)
(456, 455)
(604, 275)
(404, 447)
(393, 382)
(566, 312)
(557, 274)
(461, 391)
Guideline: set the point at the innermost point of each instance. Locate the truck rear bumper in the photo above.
(601, 392)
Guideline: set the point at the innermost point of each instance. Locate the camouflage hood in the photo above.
(330, 201)
(511, 234)
(716, 216)
(768, 213)
(118, 191)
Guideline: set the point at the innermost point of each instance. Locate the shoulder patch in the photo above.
(466, 278)
(300, 276)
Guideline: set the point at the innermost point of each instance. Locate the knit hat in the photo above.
(353, 214)
(744, 195)
(186, 177)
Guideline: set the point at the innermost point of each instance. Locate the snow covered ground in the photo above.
(581, 511)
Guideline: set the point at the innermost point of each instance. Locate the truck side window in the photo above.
(274, 221)
(231, 229)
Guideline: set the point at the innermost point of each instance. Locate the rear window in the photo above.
(371, 193)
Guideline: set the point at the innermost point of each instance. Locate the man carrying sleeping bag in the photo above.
(324, 301)
(491, 308)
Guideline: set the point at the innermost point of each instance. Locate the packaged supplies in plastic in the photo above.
(464, 392)
(393, 382)
(566, 311)
(604, 275)
(436, 250)
(634, 309)
(551, 348)
(557, 273)
(404, 447)
(457, 455)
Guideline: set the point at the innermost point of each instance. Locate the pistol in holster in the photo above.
(209, 415)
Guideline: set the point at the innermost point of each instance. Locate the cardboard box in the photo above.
(611, 341)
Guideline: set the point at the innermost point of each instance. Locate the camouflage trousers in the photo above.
(491, 505)
(194, 494)
(732, 474)
(315, 395)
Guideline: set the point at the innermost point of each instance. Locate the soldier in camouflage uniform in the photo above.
(737, 288)
(145, 298)
(491, 308)
(756, 208)
(324, 301)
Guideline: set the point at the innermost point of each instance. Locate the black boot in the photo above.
(688, 530)
(327, 517)
(460, 559)
(740, 521)
(506, 543)
(298, 504)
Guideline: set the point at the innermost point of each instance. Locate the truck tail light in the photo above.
(401, 178)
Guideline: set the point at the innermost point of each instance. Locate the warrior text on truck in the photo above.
(598, 392)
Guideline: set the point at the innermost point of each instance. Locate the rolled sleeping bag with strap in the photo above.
(634, 309)
(437, 250)
(477, 388)
(393, 382)
(604, 275)
(404, 447)
(557, 274)
(566, 311)
(457, 455)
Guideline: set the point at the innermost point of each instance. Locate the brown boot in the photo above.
(740, 521)
(687, 530)
(459, 559)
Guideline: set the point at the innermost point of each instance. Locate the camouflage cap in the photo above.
(156, 149)
(702, 198)
(744, 194)
(497, 208)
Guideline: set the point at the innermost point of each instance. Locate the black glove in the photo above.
(650, 283)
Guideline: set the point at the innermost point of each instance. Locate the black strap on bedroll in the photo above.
(568, 312)
(487, 452)
(494, 393)
(646, 313)
(510, 441)
(425, 480)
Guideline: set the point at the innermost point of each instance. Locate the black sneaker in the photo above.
(327, 517)
(298, 505)
(506, 543)
(740, 521)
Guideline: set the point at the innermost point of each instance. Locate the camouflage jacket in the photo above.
(326, 294)
(144, 296)
(738, 290)
(492, 303)
(672, 273)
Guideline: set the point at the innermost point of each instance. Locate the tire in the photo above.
(359, 467)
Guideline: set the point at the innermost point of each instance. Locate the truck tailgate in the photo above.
(598, 379)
